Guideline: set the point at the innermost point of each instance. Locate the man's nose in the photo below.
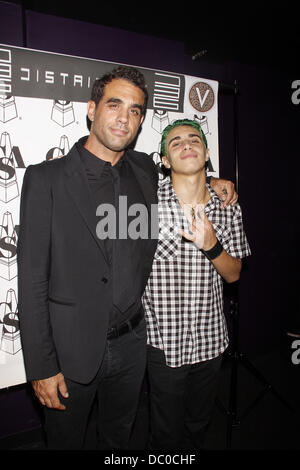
(123, 115)
(187, 143)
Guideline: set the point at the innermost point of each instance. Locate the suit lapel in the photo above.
(77, 185)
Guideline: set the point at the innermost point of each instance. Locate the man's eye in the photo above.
(136, 112)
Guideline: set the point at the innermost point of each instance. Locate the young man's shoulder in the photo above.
(230, 210)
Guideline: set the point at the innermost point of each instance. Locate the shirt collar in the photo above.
(91, 162)
(166, 193)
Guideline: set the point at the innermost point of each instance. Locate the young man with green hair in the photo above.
(200, 244)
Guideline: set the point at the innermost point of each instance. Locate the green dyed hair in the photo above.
(180, 122)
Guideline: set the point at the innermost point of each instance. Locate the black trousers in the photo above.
(181, 401)
(116, 387)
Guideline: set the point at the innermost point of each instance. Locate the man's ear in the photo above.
(91, 109)
(207, 155)
(166, 162)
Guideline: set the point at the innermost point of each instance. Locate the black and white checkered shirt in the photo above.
(183, 299)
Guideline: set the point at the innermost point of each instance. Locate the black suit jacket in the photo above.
(64, 277)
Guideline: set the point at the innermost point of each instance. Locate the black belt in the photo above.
(130, 324)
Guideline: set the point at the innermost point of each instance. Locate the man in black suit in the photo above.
(82, 323)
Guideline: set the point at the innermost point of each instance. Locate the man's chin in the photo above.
(119, 146)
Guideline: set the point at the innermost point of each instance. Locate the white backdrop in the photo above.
(43, 100)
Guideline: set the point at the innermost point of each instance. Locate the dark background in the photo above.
(255, 45)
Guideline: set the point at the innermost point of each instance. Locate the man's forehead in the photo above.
(122, 86)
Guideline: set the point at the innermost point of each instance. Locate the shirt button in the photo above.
(104, 280)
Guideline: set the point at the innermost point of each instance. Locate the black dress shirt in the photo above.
(107, 183)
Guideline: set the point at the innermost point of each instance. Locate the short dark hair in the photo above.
(124, 72)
